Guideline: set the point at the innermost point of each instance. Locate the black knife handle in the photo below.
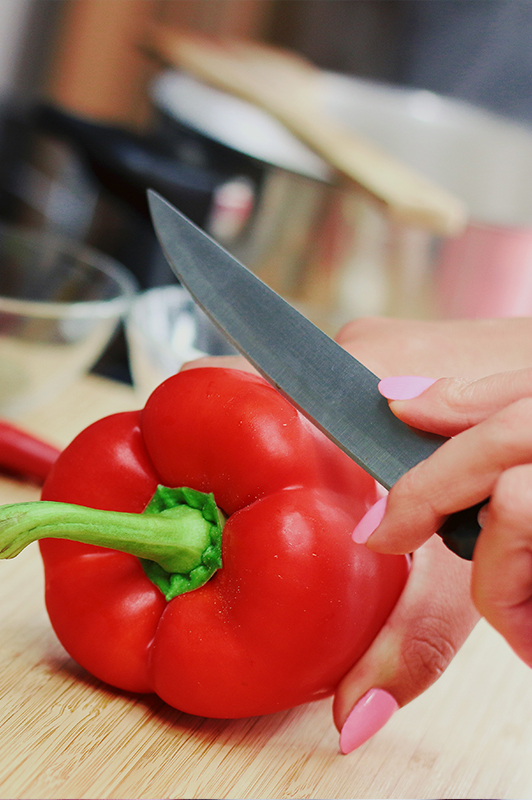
(460, 531)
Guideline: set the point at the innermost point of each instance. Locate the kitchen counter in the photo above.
(66, 735)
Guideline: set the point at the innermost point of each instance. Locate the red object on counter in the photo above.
(25, 455)
(295, 603)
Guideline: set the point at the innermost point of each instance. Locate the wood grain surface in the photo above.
(66, 735)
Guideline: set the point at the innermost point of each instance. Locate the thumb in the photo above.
(430, 622)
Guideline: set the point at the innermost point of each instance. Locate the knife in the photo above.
(334, 390)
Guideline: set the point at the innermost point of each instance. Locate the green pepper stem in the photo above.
(179, 534)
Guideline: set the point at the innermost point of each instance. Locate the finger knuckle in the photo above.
(520, 414)
(458, 394)
(407, 500)
(411, 489)
(512, 426)
(511, 498)
(409, 483)
(428, 651)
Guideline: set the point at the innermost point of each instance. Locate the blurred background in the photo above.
(86, 53)
(89, 116)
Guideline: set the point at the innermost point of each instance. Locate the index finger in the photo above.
(451, 405)
(460, 474)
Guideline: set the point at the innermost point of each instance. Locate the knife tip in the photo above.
(154, 197)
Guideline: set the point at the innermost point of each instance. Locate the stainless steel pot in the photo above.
(330, 248)
(324, 245)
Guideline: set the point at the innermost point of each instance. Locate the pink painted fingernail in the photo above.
(404, 387)
(370, 521)
(369, 715)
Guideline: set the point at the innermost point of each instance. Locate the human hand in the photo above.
(489, 455)
(435, 613)
(463, 348)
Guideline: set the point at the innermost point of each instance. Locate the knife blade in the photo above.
(334, 390)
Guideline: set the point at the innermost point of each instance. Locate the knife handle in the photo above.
(460, 531)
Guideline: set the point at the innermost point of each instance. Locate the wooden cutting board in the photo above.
(66, 735)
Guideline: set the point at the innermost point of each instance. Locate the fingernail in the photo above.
(482, 515)
(369, 715)
(404, 387)
(370, 521)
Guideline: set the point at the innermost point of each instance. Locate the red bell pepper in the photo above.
(295, 603)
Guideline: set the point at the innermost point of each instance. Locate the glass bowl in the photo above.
(60, 304)
(164, 329)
